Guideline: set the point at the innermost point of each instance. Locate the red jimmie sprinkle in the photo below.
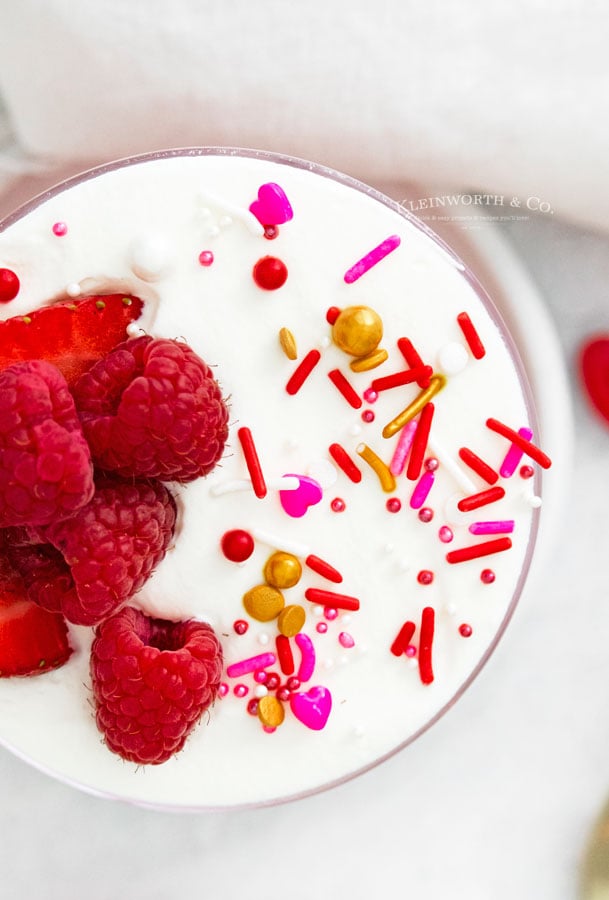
(284, 654)
(330, 598)
(332, 315)
(397, 379)
(425, 645)
(321, 567)
(476, 551)
(252, 462)
(478, 465)
(471, 336)
(303, 371)
(410, 354)
(483, 498)
(403, 638)
(527, 447)
(419, 443)
(345, 387)
(344, 461)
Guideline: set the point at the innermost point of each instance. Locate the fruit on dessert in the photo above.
(46, 472)
(152, 408)
(72, 335)
(110, 547)
(46, 574)
(32, 640)
(594, 363)
(152, 680)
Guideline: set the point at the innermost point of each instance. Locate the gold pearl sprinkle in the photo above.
(436, 383)
(371, 361)
(288, 343)
(270, 711)
(282, 570)
(291, 619)
(263, 602)
(357, 330)
(385, 475)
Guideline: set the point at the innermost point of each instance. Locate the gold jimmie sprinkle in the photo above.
(436, 383)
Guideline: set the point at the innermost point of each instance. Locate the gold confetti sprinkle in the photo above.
(291, 619)
(288, 343)
(270, 711)
(263, 602)
(371, 361)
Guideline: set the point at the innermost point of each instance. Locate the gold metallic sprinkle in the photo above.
(263, 602)
(357, 330)
(291, 619)
(270, 711)
(371, 361)
(385, 476)
(288, 343)
(436, 383)
(282, 570)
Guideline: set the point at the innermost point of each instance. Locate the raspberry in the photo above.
(45, 465)
(151, 408)
(46, 574)
(152, 680)
(111, 547)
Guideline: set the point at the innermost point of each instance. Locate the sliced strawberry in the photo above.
(72, 335)
(32, 640)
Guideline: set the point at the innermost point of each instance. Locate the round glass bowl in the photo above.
(339, 328)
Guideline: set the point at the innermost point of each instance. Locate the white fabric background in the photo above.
(496, 801)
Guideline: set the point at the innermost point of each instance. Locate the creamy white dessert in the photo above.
(429, 587)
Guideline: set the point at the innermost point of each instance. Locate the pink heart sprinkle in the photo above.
(272, 206)
(313, 707)
(297, 501)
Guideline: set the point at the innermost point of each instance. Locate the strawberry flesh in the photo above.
(71, 335)
(32, 640)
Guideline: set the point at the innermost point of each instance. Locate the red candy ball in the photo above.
(9, 285)
(237, 545)
(270, 273)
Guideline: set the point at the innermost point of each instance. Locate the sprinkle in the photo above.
(505, 526)
(514, 455)
(478, 465)
(452, 358)
(241, 690)
(331, 599)
(288, 343)
(240, 626)
(397, 379)
(332, 314)
(346, 640)
(280, 543)
(321, 567)
(482, 498)
(478, 550)
(403, 638)
(436, 384)
(307, 663)
(471, 335)
(303, 371)
(370, 396)
(372, 258)
(410, 354)
(426, 514)
(344, 461)
(252, 462)
(206, 258)
(515, 437)
(284, 654)
(270, 712)
(9, 285)
(368, 416)
(385, 476)
(291, 619)
(343, 385)
(398, 460)
(321, 628)
(425, 645)
(421, 490)
(526, 471)
(60, 229)
(74, 290)
(419, 444)
(393, 505)
(270, 273)
(465, 630)
(463, 480)
(245, 666)
(370, 361)
(283, 483)
(445, 534)
(237, 545)
(338, 505)
(487, 576)
(425, 576)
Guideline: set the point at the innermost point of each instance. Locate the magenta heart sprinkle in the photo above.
(272, 206)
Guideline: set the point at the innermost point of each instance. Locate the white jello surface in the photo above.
(141, 229)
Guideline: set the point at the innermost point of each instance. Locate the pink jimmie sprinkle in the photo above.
(421, 490)
(514, 455)
(505, 526)
(371, 259)
(245, 666)
(398, 461)
(307, 663)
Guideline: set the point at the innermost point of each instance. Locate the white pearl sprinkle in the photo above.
(150, 257)
(260, 691)
(73, 289)
(452, 358)
(263, 638)
(535, 502)
(324, 343)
